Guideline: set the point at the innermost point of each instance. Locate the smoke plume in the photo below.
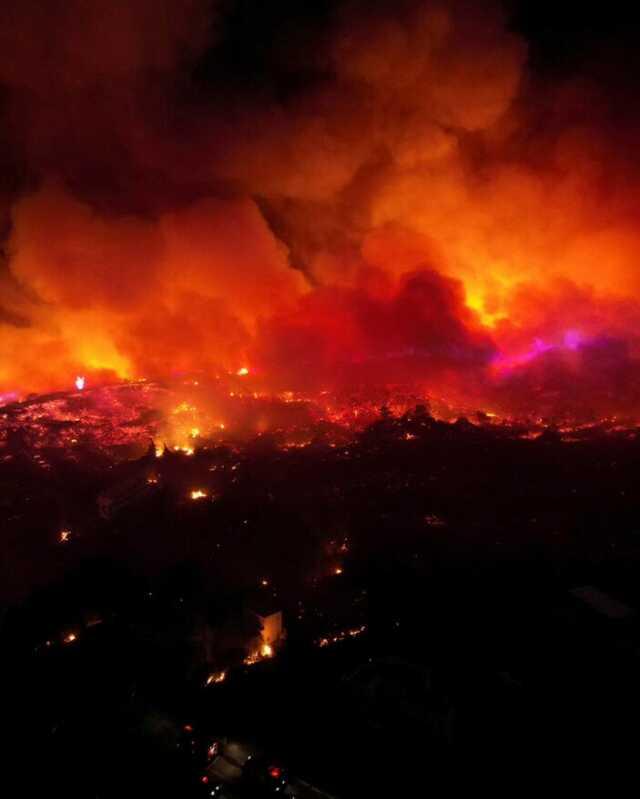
(352, 193)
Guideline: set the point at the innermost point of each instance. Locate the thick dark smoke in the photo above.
(367, 192)
(416, 329)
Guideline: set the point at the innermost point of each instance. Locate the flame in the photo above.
(216, 677)
(198, 493)
(264, 652)
(342, 635)
(79, 382)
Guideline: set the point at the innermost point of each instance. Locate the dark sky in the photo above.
(562, 34)
(578, 35)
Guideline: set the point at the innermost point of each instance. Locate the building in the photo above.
(271, 621)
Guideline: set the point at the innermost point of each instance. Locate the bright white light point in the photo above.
(80, 382)
(242, 371)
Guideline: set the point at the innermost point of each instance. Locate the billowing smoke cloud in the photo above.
(361, 192)
(412, 330)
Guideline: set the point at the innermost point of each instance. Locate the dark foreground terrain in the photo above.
(459, 601)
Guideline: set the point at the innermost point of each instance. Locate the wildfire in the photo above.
(264, 652)
(216, 677)
(449, 294)
(343, 635)
(184, 407)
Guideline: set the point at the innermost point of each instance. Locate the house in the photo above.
(271, 620)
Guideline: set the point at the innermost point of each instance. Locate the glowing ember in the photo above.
(216, 677)
(65, 536)
(184, 407)
(80, 381)
(343, 635)
(198, 493)
(70, 638)
(243, 371)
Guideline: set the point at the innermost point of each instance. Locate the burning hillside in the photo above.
(120, 422)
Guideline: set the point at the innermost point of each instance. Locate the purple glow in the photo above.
(9, 396)
(572, 339)
(539, 346)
